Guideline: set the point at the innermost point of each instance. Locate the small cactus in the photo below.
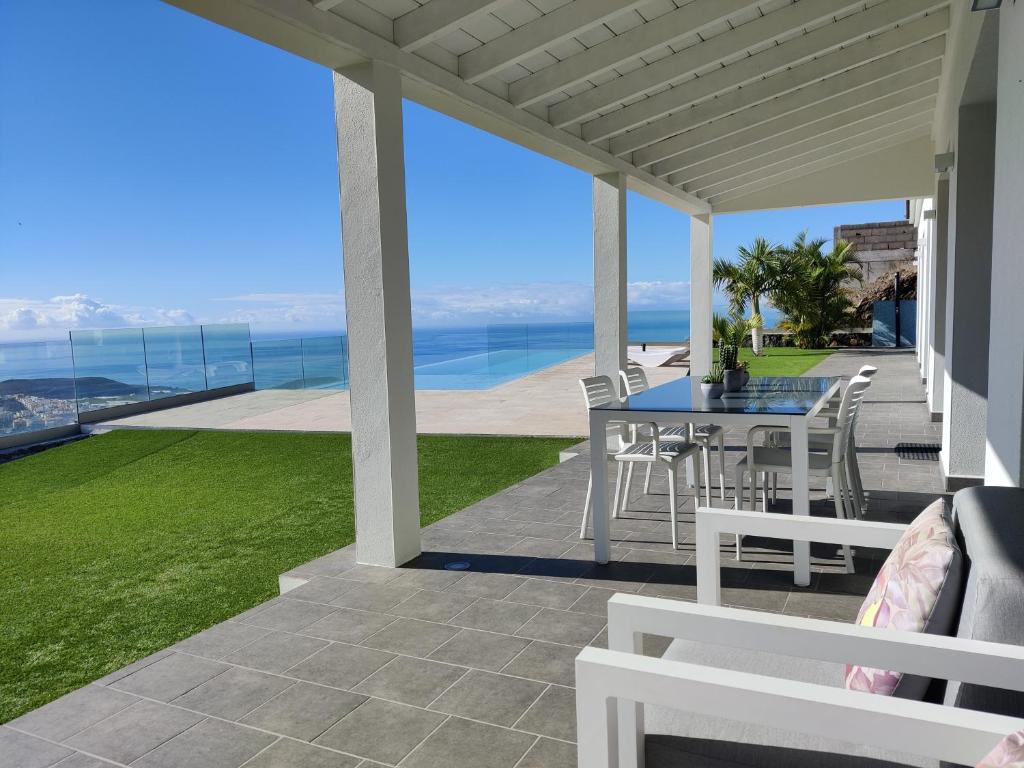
(727, 356)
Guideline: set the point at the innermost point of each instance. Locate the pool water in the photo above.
(489, 369)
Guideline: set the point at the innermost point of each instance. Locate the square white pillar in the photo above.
(936, 319)
(700, 295)
(968, 293)
(1004, 455)
(371, 163)
(610, 327)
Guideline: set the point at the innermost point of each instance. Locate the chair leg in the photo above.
(647, 479)
(740, 492)
(586, 507)
(706, 453)
(775, 488)
(618, 490)
(837, 484)
(721, 465)
(855, 477)
(672, 514)
(625, 491)
(764, 491)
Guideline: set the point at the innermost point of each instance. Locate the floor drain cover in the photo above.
(919, 451)
(458, 565)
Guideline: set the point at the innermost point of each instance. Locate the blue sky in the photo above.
(156, 168)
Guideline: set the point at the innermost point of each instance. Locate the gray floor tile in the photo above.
(375, 597)
(546, 661)
(211, 744)
(547, 753)
(496, 699)
(135, 666)
(290, 615)
(495, 616)
(562, 627)
(411, 637)
(433, 606)
(492, 585)
(548, 594)
(372, 574)
(476, 744)
(72, 713)
(535, 547)
(382, 731)
(348, 626)
(233, 693)
(276, 651)
(426, 578)
(170, 677)
(594, 601)
(340, 665)
(133, 732)
(292, 754)
(79, 760)
(220, 640)
(321, 589)
(18, 750)
(410, 681)
(304, 711)
(484, 650)
(553, 714)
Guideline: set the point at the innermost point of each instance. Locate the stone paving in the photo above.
(422, 667)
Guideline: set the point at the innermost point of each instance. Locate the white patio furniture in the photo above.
(826, 459)
(657, 356)
(774, 401)
(736, 684)
(635, 381)
(645, 446)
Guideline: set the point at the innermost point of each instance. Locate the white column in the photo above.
(1004, 455)
(936, 319)
(371, 162)
(924, 288)
(700, 295)
(968, 293)
(610, 332)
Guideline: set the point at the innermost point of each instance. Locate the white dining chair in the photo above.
(645, 446)
(635, 381)
(826, 459)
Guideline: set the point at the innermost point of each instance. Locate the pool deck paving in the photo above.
(422, 667)
(545, 403)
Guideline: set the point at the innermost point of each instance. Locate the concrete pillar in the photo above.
(610, 330)
(968, 292)
(700, 295)
(1004, 455)
(371, 163)
(936, 320)
(924, 287)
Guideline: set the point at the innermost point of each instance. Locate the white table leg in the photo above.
(801, 500)
(599, 472)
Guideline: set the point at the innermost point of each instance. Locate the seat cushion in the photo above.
(1009, 753)
(678, 738)
(918, 589)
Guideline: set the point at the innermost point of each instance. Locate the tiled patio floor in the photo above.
(424, 667)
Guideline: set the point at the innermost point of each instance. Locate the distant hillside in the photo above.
(10, 405)
(64, 388)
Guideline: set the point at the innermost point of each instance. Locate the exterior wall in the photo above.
(881, 246)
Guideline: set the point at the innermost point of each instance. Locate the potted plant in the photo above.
(711, 383)
(729, 345)
(744, 369)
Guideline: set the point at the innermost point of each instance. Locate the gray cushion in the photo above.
(991, 528)
(678, 738)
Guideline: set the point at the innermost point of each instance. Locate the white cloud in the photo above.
(659, 295)
(513, 302)
(26, 319)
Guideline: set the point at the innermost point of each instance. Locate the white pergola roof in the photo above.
(709, 105)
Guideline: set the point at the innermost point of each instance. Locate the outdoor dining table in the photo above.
(785, 401)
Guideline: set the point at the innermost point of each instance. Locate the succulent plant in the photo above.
(715, 376)
(727, 355)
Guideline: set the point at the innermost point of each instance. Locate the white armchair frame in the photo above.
(613, 685)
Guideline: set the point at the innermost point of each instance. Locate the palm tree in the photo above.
(756, 274)
(813, 292)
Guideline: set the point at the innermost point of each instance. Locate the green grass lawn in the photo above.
(116, 546)
(783, 361)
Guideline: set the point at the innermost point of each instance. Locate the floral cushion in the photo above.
(917, 590)
(1009, 753)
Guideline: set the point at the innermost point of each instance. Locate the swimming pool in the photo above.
(489, 369)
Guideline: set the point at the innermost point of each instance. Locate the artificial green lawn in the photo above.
(119, 545)
(783, 361)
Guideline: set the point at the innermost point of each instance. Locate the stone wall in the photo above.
(882, 246)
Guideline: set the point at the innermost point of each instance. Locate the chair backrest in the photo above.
(600, 390)
(635, 380)
(848, 409)
(867, 371)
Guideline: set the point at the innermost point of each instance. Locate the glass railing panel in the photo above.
(174, 359)
(110, 368)
(324, 364)
(277, 364)
(37, 386)
(227, 354)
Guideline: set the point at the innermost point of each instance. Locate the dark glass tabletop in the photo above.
(779, 395)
